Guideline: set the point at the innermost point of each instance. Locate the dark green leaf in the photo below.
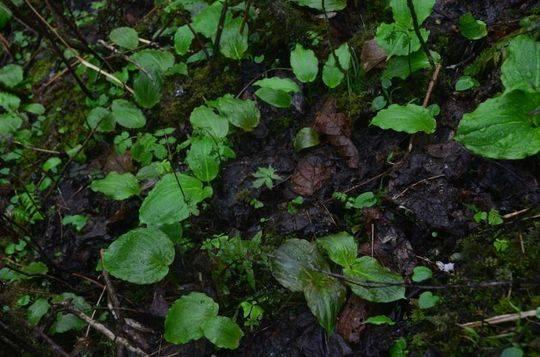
(304, 63)
(11, 75)
(127, 114)
(521, 69)
(223, 332)
(421, 273)
(410, 119)
(427, 300)
(471, 28)
(125, 37)
(147, 86)
(37, 310)
(306, 138)
(182, 40)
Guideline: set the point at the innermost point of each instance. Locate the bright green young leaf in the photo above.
(240, 113)
(127, 114)
(234, 44)
(125, 37)
(202, 160)
(277, 83)
(78, 221)
(504, 127)
(223, 332)
(379, 320)
(165, 203)
(208, 122)
(332, 74)
(187, 316)
(9, 101)
(341, 248)
(9, 124)
(102, 119)
(35, 108)
(329, 5)
(182, 40)
(324, 296)
(472, 28)
(427, 300)
(11, 75)
(117, 186)
(410, 119)
(373, 282)
(304, 63)
(277, 98)
(403, 66)
(306, 138)
(292, 258)
(402, 13)
(397, 41)
(147, 86)
(36, 268)
(421, 273)
(206, 22)
(141, 256)
(152, 60)
(521, 69)
(37, 310)
(465, 83)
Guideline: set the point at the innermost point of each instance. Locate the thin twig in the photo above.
(431, 85)
(418, 34)
(246, 16)
(416, 184)
(221, 25)
(501, 319)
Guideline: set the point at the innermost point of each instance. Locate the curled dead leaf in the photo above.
(372, 56)
(310, 175)
(351, 320)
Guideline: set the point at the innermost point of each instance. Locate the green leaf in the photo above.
(521, 69)
(240, 113)
(333, 75)
(471, 28)
(306, 138)
(127, 114)
(152, 60)
(201, 159)
(209, 122)
(304, 63)
(409, 119)
(341, 248)
(66, 322)
(329, 5)
(165, 203)
(182, 40)
(234, 44)
(78, 221)
(292, 258)
(504, 127)
(402, 13)
(102, 119)
(11, 75)
(403, 66)
(206, 21)
(35, 108)
(374, 282)
(147, 86)
(141, 256)
(9, 101)
(5, 16)
(276, 83)
(464, 83)
(37, 310)
(36, 268)
(512, 352)
(397, 41)
(277, 98)
(427, 300)
(324, 296)
(9, 123)
(421, 273)
(125, 37)
(223, 332)
(186, 317)
(364, 200)
(379, 320)
(117, 186)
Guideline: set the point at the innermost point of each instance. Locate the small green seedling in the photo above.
(265, 176)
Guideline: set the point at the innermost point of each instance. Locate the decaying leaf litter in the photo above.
(356, 240)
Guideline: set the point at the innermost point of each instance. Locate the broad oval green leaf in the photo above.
(427, 300)
(100, 119)
(147, 86)
(201, 158)
(521, 69)
(304, 63)
(223, 332)
(240, 113)
(208, 122)
(125, 37)
(11, 75)
(37, 310)
(472, 28)
(465, 83)
(410, 119)
(127, 114)
(306, 138)
(332, 73)
(421, 273)
(9, 124)
(397, 41)
(9, 101)
(152, 60)
(402, 13)
(276, 83)
(403, 66)
(234, 44)
(341, 248)
(117, 186)
(186, 317)
(182, 40)
(329, 5)
(504, 127)
(277, 98)
(206, 21)
(373, 282)
(141, 256)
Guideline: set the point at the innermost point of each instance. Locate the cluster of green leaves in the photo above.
(299, 266)
(508, 126)
(194, 316)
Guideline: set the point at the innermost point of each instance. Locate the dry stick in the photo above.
(516, 213)
(46, 151)
(418, 34)
(431, 85)
(416, 184)
(103, 330)
(500, 319)
(95, 309)
(111, 293)
(246, 16)
(221, 25)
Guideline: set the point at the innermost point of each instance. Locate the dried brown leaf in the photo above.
(351, 320)
(372, 56)
(310, 175)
